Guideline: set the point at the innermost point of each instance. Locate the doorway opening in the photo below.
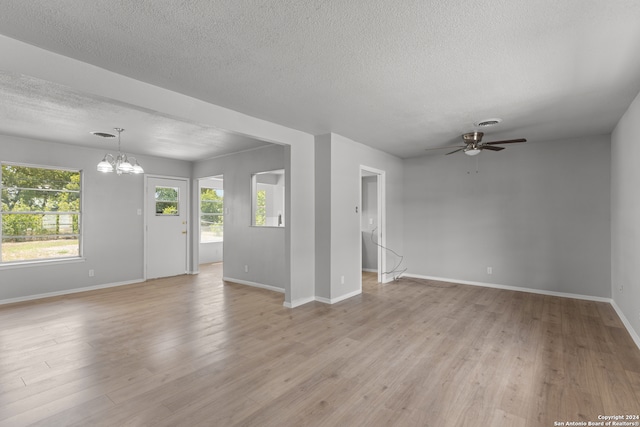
(372, 223)
(211, 219)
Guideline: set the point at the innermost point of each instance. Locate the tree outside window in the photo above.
(40, 213)
(261, 207)
(167, 201)
(211, 215)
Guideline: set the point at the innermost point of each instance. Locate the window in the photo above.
(267, 198)
(167, 201)
(211, 215)
(40, 213)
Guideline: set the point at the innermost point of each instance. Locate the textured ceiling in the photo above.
(38, 109)
(398, 75)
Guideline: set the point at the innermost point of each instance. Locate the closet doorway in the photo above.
(372, 221)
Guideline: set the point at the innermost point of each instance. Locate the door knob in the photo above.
(184, 232)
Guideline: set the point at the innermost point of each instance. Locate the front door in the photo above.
(166, 210)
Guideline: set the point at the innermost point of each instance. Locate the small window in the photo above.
(40, 213)
(167, 201)
(267, 198)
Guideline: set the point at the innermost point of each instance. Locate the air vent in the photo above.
(103, 134)
(488, 122)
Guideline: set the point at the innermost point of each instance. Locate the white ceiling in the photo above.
(398, 75)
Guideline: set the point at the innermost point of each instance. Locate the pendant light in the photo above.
(121, 163)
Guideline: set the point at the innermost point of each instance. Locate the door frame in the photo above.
(382, 220)
(187, 204)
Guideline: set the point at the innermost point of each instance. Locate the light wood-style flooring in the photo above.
(192, 350)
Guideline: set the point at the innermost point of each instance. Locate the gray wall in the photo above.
(537, 213)
(625, 215)
(262, 249)
(323, 215)
(110, 205)
(211, 252)
(338, 161)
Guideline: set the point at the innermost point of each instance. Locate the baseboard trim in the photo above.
(338, 299)
(370, 270)
(511, 288)
(323, 300)
(68, 292)
(634, 335)
(388, 278)
(298, 302)
(254, 284)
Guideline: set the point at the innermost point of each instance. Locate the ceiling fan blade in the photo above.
(491, 148)
(447, 146)
(454, 151)
(507, 141)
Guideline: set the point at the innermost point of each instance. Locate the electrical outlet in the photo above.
(246, 268)
(91, 273)
(621, 288)
(489, 270)
(342, 280)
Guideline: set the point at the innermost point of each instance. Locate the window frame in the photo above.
(258, 187)
(80, 234)
(176, 201)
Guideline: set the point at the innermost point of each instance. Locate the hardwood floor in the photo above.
(192, 350)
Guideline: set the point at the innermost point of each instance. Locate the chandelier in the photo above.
(120, 163)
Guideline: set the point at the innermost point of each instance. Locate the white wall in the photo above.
(109, 217)
(625, 216)
(537, 213)
(262, 249)
(211, 252)
(337, 196)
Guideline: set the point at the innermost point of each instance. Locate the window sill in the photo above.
(40, 262)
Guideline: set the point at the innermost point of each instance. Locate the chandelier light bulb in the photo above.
(120, 164)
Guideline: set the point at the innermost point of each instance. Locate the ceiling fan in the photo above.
(473, 144)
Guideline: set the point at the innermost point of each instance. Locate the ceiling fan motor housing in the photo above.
(472, 137)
